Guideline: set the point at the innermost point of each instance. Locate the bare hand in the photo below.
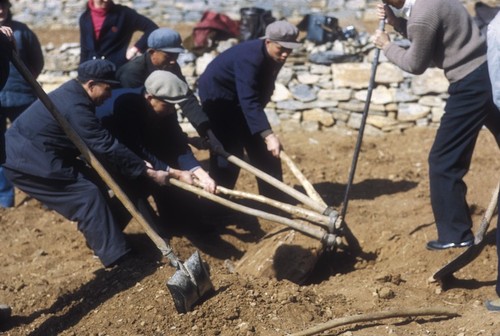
(160, 177)
(273, 144)
(7, 31)
(384, 12)
(181, 175)
(205, 180)
(132, 52)
(380, 39)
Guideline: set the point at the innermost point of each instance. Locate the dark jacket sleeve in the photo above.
(86, 36)
(192, 110)
(133, 74)
(126, 123)
(144, 24)
(191, 107)
(34, 55)
(248, 85)
(37, 145)
(102, 143)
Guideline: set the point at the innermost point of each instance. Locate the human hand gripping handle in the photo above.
(380, 39)
(159, 177)
(205, 180)
(213, 143)
(273, 144)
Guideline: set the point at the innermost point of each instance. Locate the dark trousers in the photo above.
(85, 201)
(498, 253)
(6, 188)
(229, 126)
(469, 107)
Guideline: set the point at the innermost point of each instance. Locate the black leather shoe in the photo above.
(437, 245)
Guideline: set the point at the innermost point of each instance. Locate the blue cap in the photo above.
(165, 39)
(99, 70)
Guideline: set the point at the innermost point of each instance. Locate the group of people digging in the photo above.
(137, 135)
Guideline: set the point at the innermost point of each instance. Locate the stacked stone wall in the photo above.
(308, 96)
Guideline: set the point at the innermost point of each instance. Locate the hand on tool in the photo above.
(214, 143)
(380, 39)
(160, 177)
(181, 175)
(7, 31)
(132, 52)
(205, 180)
(384, 12)
(273, 144)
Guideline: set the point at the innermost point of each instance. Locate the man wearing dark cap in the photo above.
(234, 89)
(44, 163)
(146, 122)
(164, 46)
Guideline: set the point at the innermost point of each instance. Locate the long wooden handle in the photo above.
(162, 245)
(488, 214)
(303, 227)
(278, 184)
(308, 187)
(306, 214)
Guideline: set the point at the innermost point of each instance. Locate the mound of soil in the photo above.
(56, 287)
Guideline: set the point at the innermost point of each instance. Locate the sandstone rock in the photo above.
(319, 115)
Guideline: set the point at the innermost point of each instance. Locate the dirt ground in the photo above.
(56, 287)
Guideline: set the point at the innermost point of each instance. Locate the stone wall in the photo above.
(65, 13)
(312, 96)
(308, 96)
(62, 13)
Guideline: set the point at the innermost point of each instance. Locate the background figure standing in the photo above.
(106, 30)
(443, 33)
(234, 89)
(17, 94)
(493, 38)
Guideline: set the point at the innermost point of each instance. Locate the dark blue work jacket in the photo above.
(244, 75)
(37, 145)
(158, 140)
(134, 74)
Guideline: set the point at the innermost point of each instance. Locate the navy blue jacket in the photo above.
(120, 24)
(244, 75)
(17, 92)
(37, 145)
(158, 140)
(134, 73)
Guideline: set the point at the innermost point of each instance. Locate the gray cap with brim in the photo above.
(283, 33)
(166, 86)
